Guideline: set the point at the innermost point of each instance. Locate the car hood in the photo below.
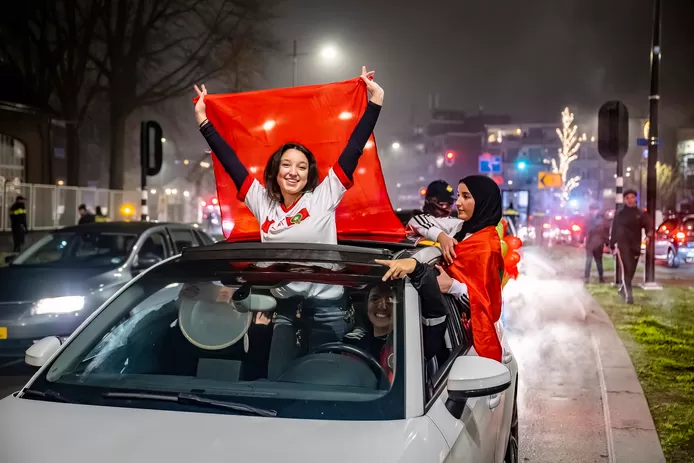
(36, 431)
(27, 284)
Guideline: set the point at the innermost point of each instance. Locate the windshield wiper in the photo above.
(47, 394)
(186, 398)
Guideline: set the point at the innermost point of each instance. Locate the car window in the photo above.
(437, 367)
(84, 249)
(154, 245)
(322, 351)
(203, 238)
(183, 238)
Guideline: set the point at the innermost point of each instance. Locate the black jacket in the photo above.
(433, 317)
(626, 229)
(596, 234)
(18, 218)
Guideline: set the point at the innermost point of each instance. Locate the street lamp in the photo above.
(328, 52)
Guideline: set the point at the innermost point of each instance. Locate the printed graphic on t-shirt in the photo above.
(298, 218)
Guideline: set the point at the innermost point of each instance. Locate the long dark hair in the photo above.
(272, 168)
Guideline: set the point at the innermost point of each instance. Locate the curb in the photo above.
(629, 428)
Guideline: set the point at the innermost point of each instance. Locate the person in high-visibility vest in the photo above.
(100, 217)
(18, 221)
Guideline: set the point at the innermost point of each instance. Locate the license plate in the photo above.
(3, 332)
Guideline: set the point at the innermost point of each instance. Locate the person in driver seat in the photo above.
(377, 339)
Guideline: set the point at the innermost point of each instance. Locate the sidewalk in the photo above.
(579, 397)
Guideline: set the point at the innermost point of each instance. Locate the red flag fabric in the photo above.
(480, 266)
(322, 118)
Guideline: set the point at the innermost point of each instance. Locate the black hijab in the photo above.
(487, 211)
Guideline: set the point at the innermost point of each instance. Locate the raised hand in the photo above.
(200, 108)
(373, 88)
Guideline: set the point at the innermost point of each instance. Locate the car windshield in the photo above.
(78, 249)
(305, 340)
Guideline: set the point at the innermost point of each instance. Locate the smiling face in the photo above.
(293, 172)
(380, 305)
(465, 204)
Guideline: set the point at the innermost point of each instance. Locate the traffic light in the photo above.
(449, 158)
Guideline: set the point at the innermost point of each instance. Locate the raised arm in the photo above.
(226, 155)
(355, 146)
(433, 307)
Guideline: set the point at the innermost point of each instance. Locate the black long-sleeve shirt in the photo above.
(626, 228)
(423, 278)
(347, 161)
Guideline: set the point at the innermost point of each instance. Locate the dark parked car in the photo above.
(55, 284)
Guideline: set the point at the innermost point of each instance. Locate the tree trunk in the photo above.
(117, 147)
(73, 153)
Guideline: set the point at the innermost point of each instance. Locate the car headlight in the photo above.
(59, 305)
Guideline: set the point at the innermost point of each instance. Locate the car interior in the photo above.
(152, 341)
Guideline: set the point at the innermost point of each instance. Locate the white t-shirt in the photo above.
(311, 219)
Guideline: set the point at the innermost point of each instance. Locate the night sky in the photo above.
(526, 58)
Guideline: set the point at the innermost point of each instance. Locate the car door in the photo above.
(472, 437)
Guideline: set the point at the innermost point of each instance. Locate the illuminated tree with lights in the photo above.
(567, 155)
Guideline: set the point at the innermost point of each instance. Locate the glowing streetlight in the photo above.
(395, 146)
(329, 52)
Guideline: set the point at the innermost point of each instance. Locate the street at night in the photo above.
(377, 231)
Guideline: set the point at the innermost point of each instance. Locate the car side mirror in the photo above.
(39, 353)
(9, 259)
(147, 260)
(472, 377)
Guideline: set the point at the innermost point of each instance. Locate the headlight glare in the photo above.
(59, 305)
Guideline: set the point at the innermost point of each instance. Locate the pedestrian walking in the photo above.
(625, 241)
(596, 237)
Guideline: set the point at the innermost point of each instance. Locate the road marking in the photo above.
(605, 407)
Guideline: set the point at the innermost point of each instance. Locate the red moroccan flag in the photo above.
(480, 266)
(321, 117)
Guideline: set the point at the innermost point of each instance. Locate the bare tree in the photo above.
(153, 50)
(50, 47)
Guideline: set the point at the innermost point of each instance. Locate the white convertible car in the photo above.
(186, 364)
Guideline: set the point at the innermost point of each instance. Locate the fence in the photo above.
(50, 207)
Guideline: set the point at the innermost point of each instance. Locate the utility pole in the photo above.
(295, 58)
(653, 142)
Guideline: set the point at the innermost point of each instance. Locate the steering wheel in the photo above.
(342, 348)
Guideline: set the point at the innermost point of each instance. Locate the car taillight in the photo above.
(575, 228)
(546, 226)
(681, 236)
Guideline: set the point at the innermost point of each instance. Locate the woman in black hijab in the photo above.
(478, 205)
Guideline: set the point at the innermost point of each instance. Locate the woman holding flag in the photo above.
(293, 206)
(475, 261)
